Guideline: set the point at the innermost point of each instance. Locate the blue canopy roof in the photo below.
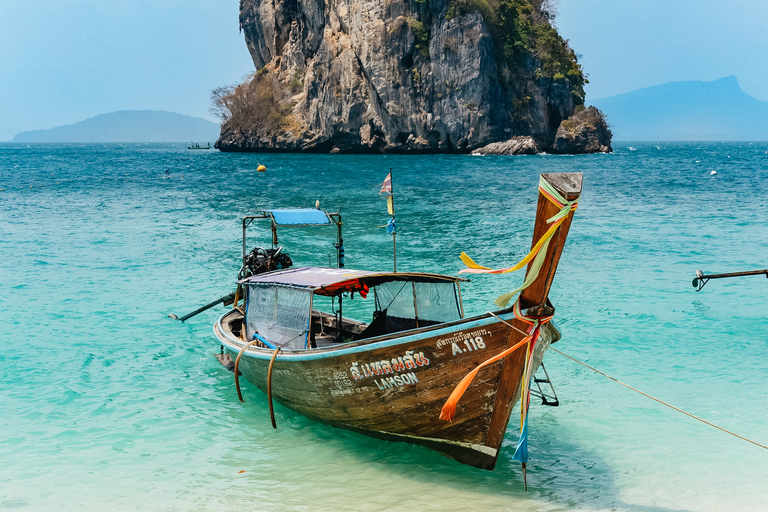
(299, 216)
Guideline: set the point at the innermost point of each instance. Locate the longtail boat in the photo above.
(418, 370)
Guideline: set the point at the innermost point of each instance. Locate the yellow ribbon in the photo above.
(536, 254)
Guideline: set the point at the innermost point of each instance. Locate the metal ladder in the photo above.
(546, 399)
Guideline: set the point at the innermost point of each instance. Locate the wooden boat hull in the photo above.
(395, 386)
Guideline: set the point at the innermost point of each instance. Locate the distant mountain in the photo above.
(717, 110)
(129, 126)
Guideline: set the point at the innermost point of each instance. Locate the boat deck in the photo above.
(324, 333)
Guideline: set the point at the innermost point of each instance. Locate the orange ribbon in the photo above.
(449, 408)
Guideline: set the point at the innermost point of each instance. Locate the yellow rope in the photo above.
(660, 401)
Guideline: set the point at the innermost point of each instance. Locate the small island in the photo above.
(394, 76)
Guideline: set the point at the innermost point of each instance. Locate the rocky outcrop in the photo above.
(387, 76)
(513, 146)
(584, 132)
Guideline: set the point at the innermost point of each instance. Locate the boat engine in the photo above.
(261, 260)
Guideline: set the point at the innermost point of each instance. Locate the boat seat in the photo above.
(383, 324)
(397, 324)
(377, 327)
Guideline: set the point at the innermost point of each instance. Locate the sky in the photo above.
(63, 61)
(628, 44)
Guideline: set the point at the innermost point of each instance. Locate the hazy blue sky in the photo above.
(62, 61)
(630, 44)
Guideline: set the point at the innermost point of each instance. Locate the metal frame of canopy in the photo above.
(285, 217)
(298, 217)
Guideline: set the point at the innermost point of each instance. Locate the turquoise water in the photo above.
(107, 404)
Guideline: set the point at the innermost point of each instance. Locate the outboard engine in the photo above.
(261, 260)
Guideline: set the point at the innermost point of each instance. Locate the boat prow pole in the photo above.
(568, 184)
(534, 298)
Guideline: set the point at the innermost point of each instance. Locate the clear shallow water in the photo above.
(107, 403)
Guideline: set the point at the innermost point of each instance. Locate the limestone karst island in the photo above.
(408, 76)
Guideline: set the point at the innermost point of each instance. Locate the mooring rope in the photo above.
(269, 377)
(660, 401)
(638, 391)
(269, 387)
(507, 323)
(237, 364)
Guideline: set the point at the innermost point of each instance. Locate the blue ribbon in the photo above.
(391, 226)
(521, 452)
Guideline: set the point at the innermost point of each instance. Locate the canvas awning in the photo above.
(331, 281)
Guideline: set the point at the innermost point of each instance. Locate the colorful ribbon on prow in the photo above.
(539, 250)
(449, 408)
(521, 450)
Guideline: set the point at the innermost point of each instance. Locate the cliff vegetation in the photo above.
(525, 32)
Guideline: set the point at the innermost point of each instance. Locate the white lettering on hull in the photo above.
(396, 381)
(410, 361)
(458, 338)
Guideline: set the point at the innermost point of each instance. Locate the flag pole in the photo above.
(394, 233)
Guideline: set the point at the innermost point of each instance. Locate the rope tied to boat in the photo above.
(269, 387)
(521, 450)
(659, 401)
(269, 377)
(448, 411)
(525, 384)
(237, 365)
(539, 250)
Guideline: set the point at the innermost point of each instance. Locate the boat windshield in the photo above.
(412, 302)
(278, 313)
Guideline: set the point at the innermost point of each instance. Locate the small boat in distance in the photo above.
(415, 369)
(195, 145)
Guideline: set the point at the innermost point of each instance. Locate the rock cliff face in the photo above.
(390, 76)
(515, 146)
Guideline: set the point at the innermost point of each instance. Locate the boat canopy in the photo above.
(298, 216)
(279, 304)
(334, 281)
